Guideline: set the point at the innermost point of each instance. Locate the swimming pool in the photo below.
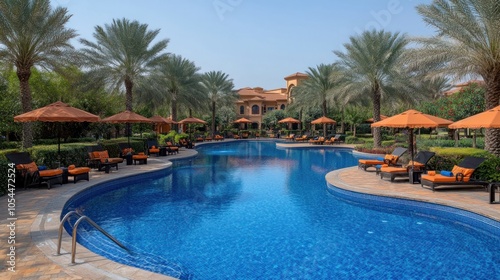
(247, 210)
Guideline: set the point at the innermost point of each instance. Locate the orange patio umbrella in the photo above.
(382, 117)
(324, 121)
(192, 120)
(487, 119)
(412, 119)
(127, 117)
(161, 120)
(242, 120)
(57, 112)
(289, 120)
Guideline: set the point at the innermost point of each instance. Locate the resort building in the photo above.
(254, 103)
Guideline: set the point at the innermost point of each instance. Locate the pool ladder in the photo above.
(75, 227)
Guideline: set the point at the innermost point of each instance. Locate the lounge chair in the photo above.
(208, 138)
(100, 159)
(290, 137)
(183, 142)
(78, 173)
(318, 141)
(460, 175)
(419, 164)
(153, 147)
(390, 160)
(339, 138)
(302, 138)
(218, 137)
(171, 148)
(29, 173)
(244, 135)
(127, 150)
(330, 141)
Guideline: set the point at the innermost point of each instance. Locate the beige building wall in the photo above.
(265, 100)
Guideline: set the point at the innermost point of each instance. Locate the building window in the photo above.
(255, 110)
(242, 110)
(282, 107)
(270, 108)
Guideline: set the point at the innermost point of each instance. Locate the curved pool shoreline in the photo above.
(44, 216)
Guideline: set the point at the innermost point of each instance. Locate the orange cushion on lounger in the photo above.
(96, 155)
(71, 167)
(415, 163)
(438, 178)
(31, 167)
(392, 169)
(431, 173)
(50, 172)
(467, 172)
(391, 159)
(370, 161)
(78, 170)
(103, 154)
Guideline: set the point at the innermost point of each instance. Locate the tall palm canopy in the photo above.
(467, 43)
(318, 88)
(371, 66)
(218, 86)
(33, 34)
(181, 80)
(123, 54)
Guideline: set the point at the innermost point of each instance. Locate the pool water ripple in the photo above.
(247, 210)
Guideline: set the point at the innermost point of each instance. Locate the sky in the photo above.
(256, 42)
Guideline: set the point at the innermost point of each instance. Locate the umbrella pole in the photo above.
(128, 133)
(59, 143)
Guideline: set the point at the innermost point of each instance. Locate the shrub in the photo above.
(354, 140)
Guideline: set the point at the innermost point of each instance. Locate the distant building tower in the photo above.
(253, 103)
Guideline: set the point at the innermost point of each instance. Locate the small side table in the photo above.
(128, 158)
(493, 188)
(415, 176)
(163, 151)
(64, 174)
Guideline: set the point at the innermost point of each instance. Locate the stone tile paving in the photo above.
(36, 230)
(471, 199)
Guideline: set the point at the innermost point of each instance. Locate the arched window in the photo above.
(255, 110)
(242, 110)
(282, 107)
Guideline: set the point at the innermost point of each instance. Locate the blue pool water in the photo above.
(247, 210)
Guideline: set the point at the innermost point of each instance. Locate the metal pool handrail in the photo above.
(75, 228)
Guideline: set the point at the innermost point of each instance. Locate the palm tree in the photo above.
(318, 88)
(181, 79)
(355, 115)
(31, 34)
(122, 54)
(467, 43)
(218, 86)
(372, 67)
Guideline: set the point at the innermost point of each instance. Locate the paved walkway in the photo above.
(38, 212)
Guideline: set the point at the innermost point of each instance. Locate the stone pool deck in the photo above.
(38, 211)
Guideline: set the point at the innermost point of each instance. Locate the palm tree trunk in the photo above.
(492, 136)
(323, 107)
(174, 112)
(213, 118)
(24, 73)
(377, 137)
(128, 93)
